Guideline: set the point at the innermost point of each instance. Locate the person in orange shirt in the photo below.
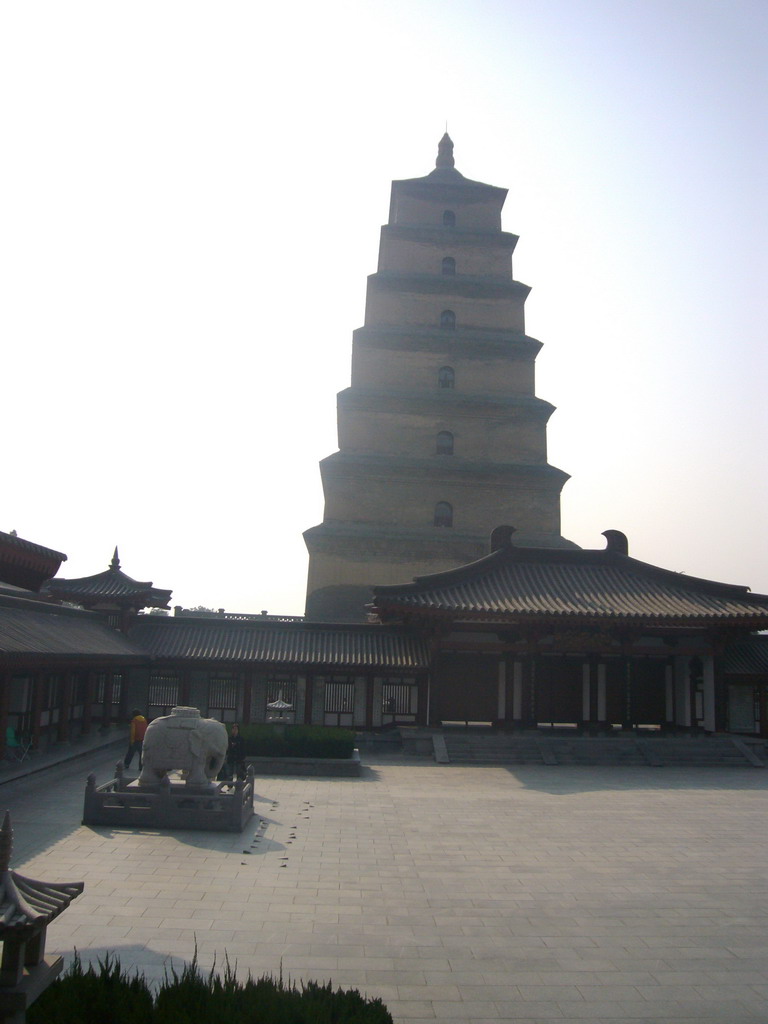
(138, 728)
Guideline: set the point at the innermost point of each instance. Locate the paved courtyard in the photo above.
(454, 893)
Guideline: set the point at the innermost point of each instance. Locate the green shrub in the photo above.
(104, 996)
(297, 741)
(109, 996)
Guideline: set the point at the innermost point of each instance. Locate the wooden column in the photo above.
(721, 687)
(594, 716)
(106, 708)
(184, 687)
(529, 691)
(90, 690)
(65, 708)
(36, 682)
(422, 698)
(247, 678)
(369, 687)
(5, 685)
(310, 686)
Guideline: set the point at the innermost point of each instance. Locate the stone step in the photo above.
(617, 751)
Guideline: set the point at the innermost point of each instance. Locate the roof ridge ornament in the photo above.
(501, 537)
(616, 541)
(115, 563)
(445, 152)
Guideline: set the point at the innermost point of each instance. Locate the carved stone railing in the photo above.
(224, 807)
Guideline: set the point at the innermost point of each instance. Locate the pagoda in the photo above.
(441, 435)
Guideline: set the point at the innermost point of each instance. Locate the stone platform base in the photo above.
(224, 807)
(16, 1000)
(336, 767)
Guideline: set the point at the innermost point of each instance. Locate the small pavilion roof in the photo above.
(516, 584)
(111, 586)
(27, 905)
(27, 565)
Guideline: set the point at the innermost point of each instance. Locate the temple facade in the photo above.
(525, 639)
(441, 435)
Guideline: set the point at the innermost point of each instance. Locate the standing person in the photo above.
(235, 753)
(136, 740)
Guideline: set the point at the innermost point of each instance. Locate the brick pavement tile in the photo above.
(516, 1011)
(465, 1011)
(653, 875)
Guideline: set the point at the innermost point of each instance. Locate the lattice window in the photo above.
(222, 698)
(280, 687)
(340, 696)
(20, 703)
(222, 692)
(51, 703)
(399, 698)
(100, 694)
(163, 693)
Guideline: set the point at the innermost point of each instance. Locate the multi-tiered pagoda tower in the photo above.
(441, 436)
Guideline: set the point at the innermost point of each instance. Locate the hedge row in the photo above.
(111, 995)
(297, 741)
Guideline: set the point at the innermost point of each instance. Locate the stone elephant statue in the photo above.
(183, 741)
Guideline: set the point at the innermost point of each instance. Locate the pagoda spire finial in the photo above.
(445, 152)
(115, 563)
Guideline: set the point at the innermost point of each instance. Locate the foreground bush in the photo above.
(297, 741)
(109, 995)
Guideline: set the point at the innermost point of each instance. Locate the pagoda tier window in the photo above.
(448, 320)
(444, 443)
(449, 219)
(443, 514)
(449, 266)
(446, 378)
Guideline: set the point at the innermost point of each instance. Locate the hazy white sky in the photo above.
(190, 201)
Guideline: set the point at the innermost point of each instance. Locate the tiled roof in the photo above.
(296, 643)
(33, 628)
(515, 584)
(25, 564)
(112, 584)
(747, 657)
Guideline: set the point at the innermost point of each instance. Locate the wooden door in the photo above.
(465, 687)
(558, 690)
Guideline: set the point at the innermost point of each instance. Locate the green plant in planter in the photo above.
(297, 741)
